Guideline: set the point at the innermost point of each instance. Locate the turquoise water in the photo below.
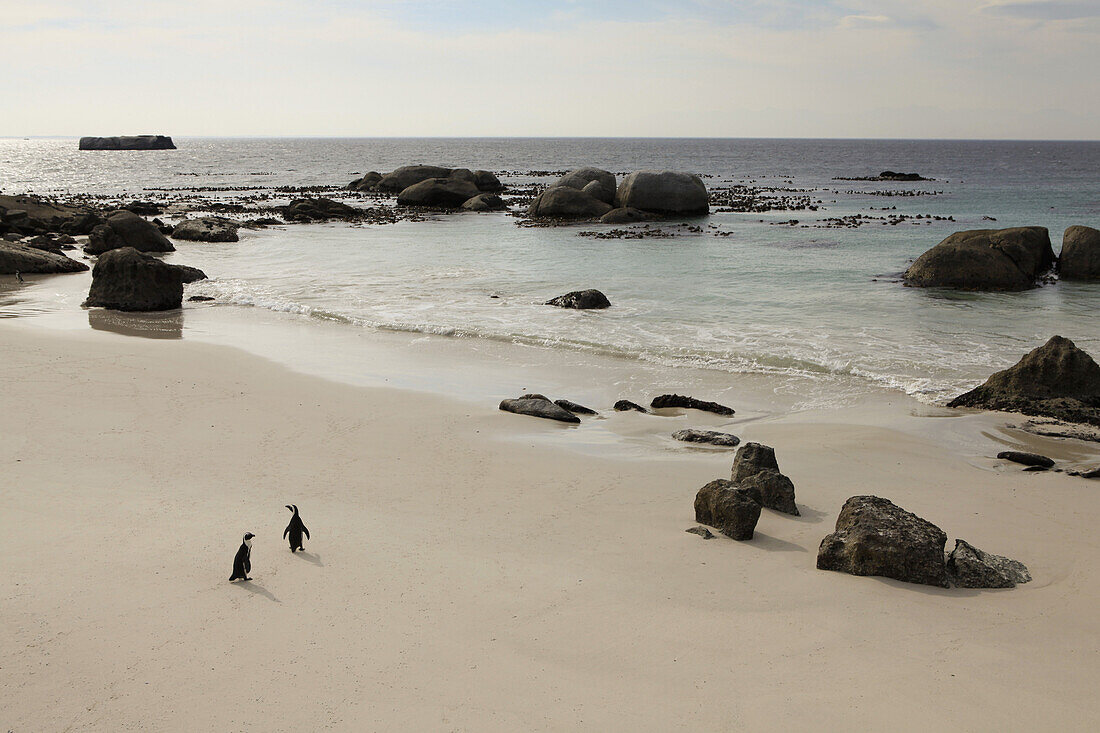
(770, 297)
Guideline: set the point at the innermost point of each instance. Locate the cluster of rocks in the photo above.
(1006, 259)
(744, 198)
(436, 187)
(874, 536)
(733, 506)
(128, 142)
(592, 193)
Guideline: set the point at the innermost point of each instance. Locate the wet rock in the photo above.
(874, 536)
(1049, 427)
(438, 193)
(600, 191)
(318, 209)
(27, 215)
(753, 458)
(969, 567)
(128, 280)
(775, 491)
(581, 300)
(484, 202)
(563, 202)
(207, 229)
(713, 437)
(533, 396)
(1026, 459)
(702, 531)
(128, 142)
(1055, 380)
(985, 259)
(727, 508)
(581, 178)
(1088, 473)
(625, 215)
(143, 208)
(189, 274)
(575, 408)
(199, 299)
(663, 192)
(127, 229)
(1080, 257)
(409, 175)
(488, 182)
(627, 405)
(539, 408)
(367, 183)
(16, 257)
(675, 400)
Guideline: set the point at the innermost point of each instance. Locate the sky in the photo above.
(1016, 69)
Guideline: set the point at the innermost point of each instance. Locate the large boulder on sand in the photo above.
(1080, 258)
(438, 193)
(1055, 380)
(581, 300)
(16, 257)
(563, 202)
(583, 179)
(127, 229)
(874, 536)
(663, 192)
(985, 259)
(755, 469)
(732, 511)
(207, 229)
(409, 175)
(969, 567)
(127, 280)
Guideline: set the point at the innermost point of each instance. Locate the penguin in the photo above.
(19, 277)
(295, 529)
(242, 563)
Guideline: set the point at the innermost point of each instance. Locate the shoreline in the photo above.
(469, 569)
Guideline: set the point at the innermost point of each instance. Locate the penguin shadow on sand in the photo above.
(310, 557)
(256, 589)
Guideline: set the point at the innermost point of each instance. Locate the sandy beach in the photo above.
(469, 572)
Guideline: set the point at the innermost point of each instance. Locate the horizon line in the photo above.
(564, 137)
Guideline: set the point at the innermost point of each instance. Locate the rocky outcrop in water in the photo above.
(484, 202)
(128, 142)
(969, 567)
(628, 406)
(985, 259)
(756, 469)
(128, 280)
(127, 229)
(17, 257)
(874, 536)
(1026, 459)
(574, 407)
(207, 229)
(675, 400)
(1055, 380)
(1080, 257)
(30, 215)
(663, 192)
(438, 193)
(564, 202)
(318, 209)
(729, 509)
(597, 183)
(581, 300)
(538, 406)
(410, 175)
(625, 215)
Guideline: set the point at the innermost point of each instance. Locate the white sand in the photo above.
(458, 580)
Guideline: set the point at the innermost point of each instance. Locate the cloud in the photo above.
(1046, 10)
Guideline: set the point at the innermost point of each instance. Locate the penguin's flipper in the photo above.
(285, 531)
(305, 531)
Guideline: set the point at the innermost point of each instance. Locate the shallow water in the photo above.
(818, 308)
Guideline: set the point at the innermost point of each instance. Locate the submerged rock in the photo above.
(627, 405)
(318, 209)
(874, 536)
(485, 202)
(127, 280)
(969, 567)
(127, 229)
(625, 215)
(16, 257)
(537, 406)
(675, 400)
(575, 408)
(985, 259)
(1080, 257)
(207, 229)
(581, 300)
(727, 508)
(663, 192)
(1026, 459)
(713, 437)
(1055, 380)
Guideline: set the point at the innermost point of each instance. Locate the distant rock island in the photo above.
(128, 142)
(886, 176)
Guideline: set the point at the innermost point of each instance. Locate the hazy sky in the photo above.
(723, 68)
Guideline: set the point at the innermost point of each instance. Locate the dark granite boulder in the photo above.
(127, 229)
(563, 202)
(712, 437)
(487, 182)
(581, 300)
(625, 215)
(127, 280)
(675, 400)
(28, 215)
(318, 209)
(575, 408)
(207, 229)
(484, 202)
(753, 458)
(128, 142)
(601, 191)
(438, 193)
(969, 567)
(579, 179)
(1055, 380)
(985, 259)
(1026, 459)
(16, 257)
(663, 192)
(627, 406)
(536, 407)
(874, 536)
(189, 274)
(775, 491)
(367, 182)
(1080, 257)
(731, 510)
(409, 175)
